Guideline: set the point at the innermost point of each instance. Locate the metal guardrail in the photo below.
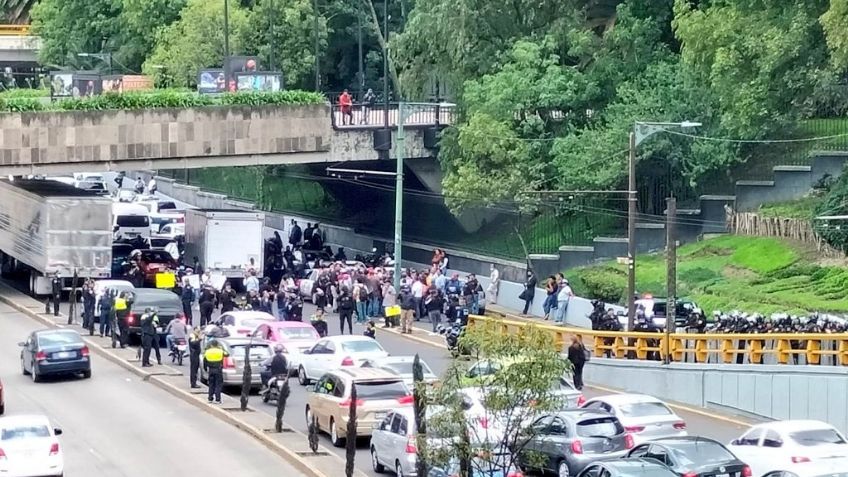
(15, 30)
(372, 117)
(784, 348)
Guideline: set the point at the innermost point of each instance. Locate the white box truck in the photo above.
(47, 227)
(225, 241)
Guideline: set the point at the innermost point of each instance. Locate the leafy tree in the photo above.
(520, 390)
(195, 41)
(15, 12)
(141, 21)
(281, 32)
(69, 27)
(835, 22)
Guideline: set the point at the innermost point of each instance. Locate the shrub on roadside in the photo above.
(603, 283)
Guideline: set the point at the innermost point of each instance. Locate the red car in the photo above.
(2, 400)
(152, 262)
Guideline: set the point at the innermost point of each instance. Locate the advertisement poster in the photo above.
(86, 85)
(211, 81)
(112, 84)
(263, 81)
(61, 85)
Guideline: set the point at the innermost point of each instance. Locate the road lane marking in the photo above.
(96, 454)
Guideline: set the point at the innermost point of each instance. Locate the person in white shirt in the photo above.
(251, 283)
(494, 285)
(418, 289)
(563, 298)
(151, 186)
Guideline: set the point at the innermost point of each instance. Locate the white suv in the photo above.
(393, 443)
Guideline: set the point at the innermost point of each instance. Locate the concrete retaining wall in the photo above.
(775, 392)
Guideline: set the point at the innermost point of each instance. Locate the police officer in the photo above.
(55, 294)
(207, 304)
(187, 297)
(123, 308)
(194, 340)
(107, 302)
(88, 301)
(149, 336)
(274, 366)
(213, 363)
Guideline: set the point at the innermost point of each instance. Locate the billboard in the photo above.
(211, 81)
(86, 85)
(265, 81)
(61, 85)
(112, 84)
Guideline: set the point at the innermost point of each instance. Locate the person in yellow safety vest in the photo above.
(123, 310)
(213, 364)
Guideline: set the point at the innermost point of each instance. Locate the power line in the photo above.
(753, 141)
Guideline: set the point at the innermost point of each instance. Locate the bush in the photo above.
(21, 105)
(25, 93)
(834, 232)
(603, 283)
(281, 97)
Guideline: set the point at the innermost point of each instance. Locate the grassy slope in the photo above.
(733, 272)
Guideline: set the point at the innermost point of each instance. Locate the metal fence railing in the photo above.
(374, 116)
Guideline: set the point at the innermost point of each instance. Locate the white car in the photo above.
(393, 443)
(171, 231)
(789, 446)
(29, 447)
(333, 352)
(101, 285)
(645, 417)
(402, 366)
(829, 468)
(242, 323)
(125, 195)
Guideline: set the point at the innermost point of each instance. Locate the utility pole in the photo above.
(359, 42)
(671, 278)
(227, 45)
(271, 24)
(386, 70)
(401, 152)
(315, 46)
(631, 234)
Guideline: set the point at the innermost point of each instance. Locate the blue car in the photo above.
(54, 352)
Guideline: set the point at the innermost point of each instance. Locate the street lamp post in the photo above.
(400, 152)
(641, 130)
(386, 67)
(227, 44)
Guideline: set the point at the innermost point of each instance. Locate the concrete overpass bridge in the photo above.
(215, 136)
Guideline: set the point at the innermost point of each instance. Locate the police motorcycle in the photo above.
(274, 389)
(179, 349)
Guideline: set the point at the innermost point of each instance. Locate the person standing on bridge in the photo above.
(367, 103)
(295, 234)
(346, 106)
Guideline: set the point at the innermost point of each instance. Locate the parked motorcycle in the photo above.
(274, 388)
(178, 351)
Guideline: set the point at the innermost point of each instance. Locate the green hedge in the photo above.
(159, 99)
(25, 93)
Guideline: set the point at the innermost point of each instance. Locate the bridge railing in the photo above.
(360, 116)
(14, 30)
(771, 348)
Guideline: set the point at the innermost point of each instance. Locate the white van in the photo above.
(130, 220)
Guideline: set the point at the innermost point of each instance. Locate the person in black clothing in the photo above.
(345, 310)
(207, 304)
(278, 241)
(187, 297)
(296, 234)
(228, 298)
(149, 336)
(122, 318)
(307, 235)
(106, 305)
(55, 294)
(340, 255)
(274, 366)
(196, 266)
(294, 308)
(529, 291)
(433, 304)
(88, 301)
(194, 340)
(577, 356)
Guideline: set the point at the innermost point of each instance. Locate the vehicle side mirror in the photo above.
(57, 431)
(309, 351)
(22, 343)
(314, 388)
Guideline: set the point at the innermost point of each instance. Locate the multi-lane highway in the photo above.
(116, 425)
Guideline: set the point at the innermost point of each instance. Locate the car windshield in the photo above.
(256, 352)
(361, 346)
(24, 432)
(132, 221)
(58, 339)
(599, 427)
(381, 390)
(816, 437)
(299, 333)
(252, 322)
(698, 453)
(406, 367)
(642, 409)
(156, 256)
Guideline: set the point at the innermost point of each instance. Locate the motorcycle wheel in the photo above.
(179, 358)
(266, 396)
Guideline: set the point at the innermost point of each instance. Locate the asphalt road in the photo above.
(116, 425)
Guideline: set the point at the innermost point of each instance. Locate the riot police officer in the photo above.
(55, 294)
(149, 336)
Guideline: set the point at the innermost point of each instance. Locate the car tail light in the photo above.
(690, 474)
(348, 361)
(131, 318)
(746, 471)
(628, 442)
(229, 363)
(346, 403)
(799, 460)
(40, 356)
(2, 455)
(680, 425)
(410, 446)
(576, 447)
(581, 400)
(634, 429)
(408, 399)
(54, 449)
(84, 352)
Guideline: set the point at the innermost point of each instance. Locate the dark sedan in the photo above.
(567, 441)
(626, 468)
(693, 457)
(52, 352)
(166, 302)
